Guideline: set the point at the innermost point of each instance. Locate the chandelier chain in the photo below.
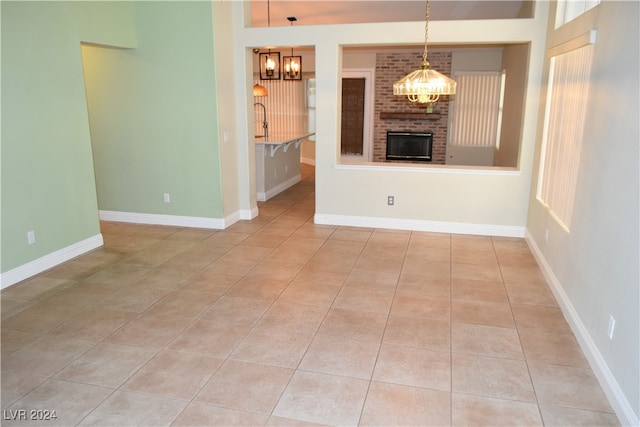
(426, 31)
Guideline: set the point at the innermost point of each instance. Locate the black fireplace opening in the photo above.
(415, 146)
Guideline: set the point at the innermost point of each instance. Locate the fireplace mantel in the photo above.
(410, 115)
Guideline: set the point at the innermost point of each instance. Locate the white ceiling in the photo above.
(318, 12)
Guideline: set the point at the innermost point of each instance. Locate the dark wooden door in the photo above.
(352, 116)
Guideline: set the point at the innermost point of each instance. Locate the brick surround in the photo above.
(391, 67)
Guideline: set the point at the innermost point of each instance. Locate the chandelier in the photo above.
(424, 86)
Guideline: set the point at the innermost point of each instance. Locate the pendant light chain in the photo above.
(426, 32)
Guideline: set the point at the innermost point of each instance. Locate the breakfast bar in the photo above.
(277, 163)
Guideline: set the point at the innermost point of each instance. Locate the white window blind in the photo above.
(568, 10)
(567, 103)
(476, 110)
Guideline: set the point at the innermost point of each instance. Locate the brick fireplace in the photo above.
(396, 113)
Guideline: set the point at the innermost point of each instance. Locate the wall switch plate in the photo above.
(390, 200)
(31, 237)
(167, 198)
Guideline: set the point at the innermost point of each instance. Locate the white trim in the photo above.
(438, 169)
(420, 225)
(308, 161)
(266, 195)
(48, 261)
(175, 220)
(607, 381)
(247, 214)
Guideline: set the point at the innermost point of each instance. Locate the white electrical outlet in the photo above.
(612, 327)
(390, 200)
(31, 237)
(167, 198)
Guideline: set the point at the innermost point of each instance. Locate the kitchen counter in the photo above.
(277, 163)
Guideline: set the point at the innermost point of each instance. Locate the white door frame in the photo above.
(367, 132)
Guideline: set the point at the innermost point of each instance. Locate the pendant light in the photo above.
(269, 62)
(292, 65)
(425, 86)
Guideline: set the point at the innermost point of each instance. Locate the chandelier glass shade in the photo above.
(259, 90)
(424, 86)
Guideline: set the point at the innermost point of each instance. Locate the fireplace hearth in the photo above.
(409, 146)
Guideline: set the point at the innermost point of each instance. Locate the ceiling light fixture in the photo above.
(269, 62)
(292, 65)
(425, 86)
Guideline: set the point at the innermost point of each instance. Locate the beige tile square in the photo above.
(360, 299)
(523, 275)
(479, 290)
(490, 377)
(119, 274)
(352, 234)
(134, 409)
(549, 347)
(484, 411)
(237, 310)
(393, 404)
(532, 294)
(173, 374)
(562, 416)
(13, 340)
(374, 280)
(274, 421)
(293, 317)
(201, 414)
(210, 338)
(149, 331)
(568, 386)
(472, 255)
(385, 249)
(424, 307)
(163, 278)
(94, 324)
(37, 288)
(41, 317)
(133, 298)
(486, 341)
(426, 334)
(379, 264)
(71, 402)
(302, 292)
(84, 294)
(541, 318)
(257, 288)
(14, 385)
(418, 285)
(476, 271)
(182, 303)
(107, 365)
(272, 347)
(427, 269)
(245, 386)
(429, 239)
(414, 367)
(417, 252)
(482, 313)
(10, 307)
(323, 399)
(210, 282)
(332, 355)
(354, 325)
(46, 355)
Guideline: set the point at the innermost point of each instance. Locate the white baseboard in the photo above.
(420, 225)
(174, 220)
(607, 381)
(308, 161)
(264, 196)
(48, 261)
(248, 214)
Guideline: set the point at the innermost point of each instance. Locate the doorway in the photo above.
(356, 119)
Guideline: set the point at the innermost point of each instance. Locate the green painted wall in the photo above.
(153, 114)
(47, 173)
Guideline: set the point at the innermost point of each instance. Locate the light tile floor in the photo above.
(278, 321)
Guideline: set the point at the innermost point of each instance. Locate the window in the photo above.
(568, 10)
(477, 110)
(565, 112)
